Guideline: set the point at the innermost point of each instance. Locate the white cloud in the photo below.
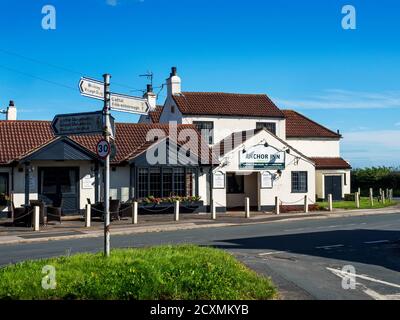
(344, 99)
(112, 2)
(372, 148)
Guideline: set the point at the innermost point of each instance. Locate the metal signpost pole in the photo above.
(106, 112)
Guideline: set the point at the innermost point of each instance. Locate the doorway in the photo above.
(333, 185)
(59, 187)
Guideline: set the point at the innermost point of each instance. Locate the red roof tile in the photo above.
(299, 126)
(155, 114)
(331, 163)
(19, 138)
(227, 104)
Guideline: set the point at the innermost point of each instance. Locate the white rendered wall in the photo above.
(317, 147)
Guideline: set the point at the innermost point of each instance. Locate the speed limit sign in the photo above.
(103, 148)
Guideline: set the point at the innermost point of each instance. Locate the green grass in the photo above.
(164, 272)
(364, 204)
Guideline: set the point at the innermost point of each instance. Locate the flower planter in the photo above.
(169, 207)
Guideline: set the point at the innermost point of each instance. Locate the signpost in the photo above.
(91, 88)
(124, 103)
(100, 123)
(103, 148)
(101, 90)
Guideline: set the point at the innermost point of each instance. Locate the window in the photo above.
(206, 129)
(4, 183)
(299, 182)
(270, 126)
(179, 182)
(143, 183)
(155, 182)
(235, 183)
(167, 182)
(172, 109)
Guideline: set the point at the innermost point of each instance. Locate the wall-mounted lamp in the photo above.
(287, 150)
(266, 144)
(279, 172)
(244, 151)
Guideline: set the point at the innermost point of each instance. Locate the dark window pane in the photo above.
(155, 182)
(167, 182)
(235, 183)
(143, 183)
(299, 181)
(4, 183)
(206, 129)
(270, 126)
(179, 182)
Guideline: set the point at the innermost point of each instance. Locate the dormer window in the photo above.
(270, 126)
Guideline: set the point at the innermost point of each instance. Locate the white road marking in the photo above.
(377, 241)
(269, 253)
(341, 273)
(330, 247)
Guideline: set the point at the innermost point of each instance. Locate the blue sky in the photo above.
(295, 51)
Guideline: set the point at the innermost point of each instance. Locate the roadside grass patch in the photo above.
(364, 204)
(162, 272)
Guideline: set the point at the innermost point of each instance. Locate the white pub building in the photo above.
(253, 149)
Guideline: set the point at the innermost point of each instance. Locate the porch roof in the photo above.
(19, 139)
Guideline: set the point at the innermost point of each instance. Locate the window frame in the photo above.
(265, 124)
(305, 174)
(199, 126)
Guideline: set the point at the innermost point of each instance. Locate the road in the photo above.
(304, 258)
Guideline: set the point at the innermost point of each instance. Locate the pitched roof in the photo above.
(299, 126)
(330, 163)
(20, 138)
(155, 114)
(227, 104)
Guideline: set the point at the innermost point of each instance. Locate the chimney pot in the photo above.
(173, 71)
(11, 104)
(149, 88)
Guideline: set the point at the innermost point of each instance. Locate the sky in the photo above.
(296, 52)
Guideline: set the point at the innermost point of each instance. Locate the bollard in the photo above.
(371, 196)
(330, 204)
(135, 213)
(176, 216)
(305, 204)
(247, 207)
(36, 214)
(277, 208)
(88, 212)
(357, 199)
(213, 210)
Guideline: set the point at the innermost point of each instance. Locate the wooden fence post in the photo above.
(371, 196)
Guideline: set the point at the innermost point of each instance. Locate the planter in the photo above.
(169, 207)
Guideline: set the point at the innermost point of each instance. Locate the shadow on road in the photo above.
(354, 249)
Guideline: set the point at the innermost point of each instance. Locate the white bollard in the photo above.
(176, 216)
(36, 213)
(371, 196)
(213, 210)
(247, 207)
(135, 213)
(277, 208)
(88, 211)
(330, 204)
(305, 204)
(357, 199)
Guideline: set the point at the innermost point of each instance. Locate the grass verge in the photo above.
(364, 204)
(163, 272)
